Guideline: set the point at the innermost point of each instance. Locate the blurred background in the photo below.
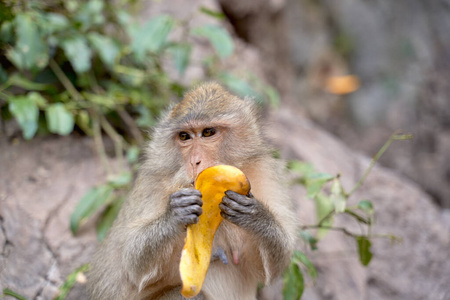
(83, 82)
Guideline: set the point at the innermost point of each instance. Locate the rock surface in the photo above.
(41, 181)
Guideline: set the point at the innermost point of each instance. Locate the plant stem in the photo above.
(394, 136)
(342, 229)
(131, 125)
(99, 144)
(351, 234)
(117, 139)
(329, 215)
(8, 292)
(65, 81)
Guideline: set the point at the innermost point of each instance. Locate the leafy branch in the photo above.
(330, 203)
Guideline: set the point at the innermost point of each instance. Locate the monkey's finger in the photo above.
(241, 199)
(189, 219)
(226, 210)
(182, 212)
(235, 219)
(232, 212)
(230, 203)
(186, 201)
(193, 209)
(187, 192)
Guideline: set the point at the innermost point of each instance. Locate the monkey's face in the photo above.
(199, 146)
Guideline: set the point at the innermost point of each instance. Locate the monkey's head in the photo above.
(210, 126)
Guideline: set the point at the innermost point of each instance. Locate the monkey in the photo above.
(140, 255)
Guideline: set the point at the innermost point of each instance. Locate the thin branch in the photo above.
(117, 138)
(131, 125)
(329, 215)
(99, 144)
(65, 81)
(351, 234)
(395, 136)
(342, 229)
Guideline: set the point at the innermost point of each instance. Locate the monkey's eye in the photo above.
(184, 136)
(208, 132)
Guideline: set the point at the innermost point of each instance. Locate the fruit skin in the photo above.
(212, 182)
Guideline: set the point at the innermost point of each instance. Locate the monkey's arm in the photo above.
(151, 243)
(251, 215)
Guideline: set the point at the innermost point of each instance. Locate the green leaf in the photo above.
(90, 14)
(300, 257)
(71, 5)
(238, 86)
(324, 207)
(30, 51)
(26, 113)
(37, 98)
(364, 245)
(59, 119)
(151, 37)
(120, 180)
(78, 53)
(307, 236)
(123, 18)
(8, 292)
(105, 47)
(6, 32)
(366, 206)
(181, 54)
(145, 117)
(55, 23)
(273, 96)
(89, 204)
(212, 13)
(294, 284)
(133, 154)
(302, 168)
(315, 181)
(218, 37)
(107, 218)
(337, 196)
(70, 282)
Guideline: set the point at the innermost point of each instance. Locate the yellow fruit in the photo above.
(196, 254)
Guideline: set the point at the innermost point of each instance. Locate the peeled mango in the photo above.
(212, 182)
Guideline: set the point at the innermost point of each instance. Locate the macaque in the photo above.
(140, 256)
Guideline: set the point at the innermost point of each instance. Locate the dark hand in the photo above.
(244, 211)
(185, 206)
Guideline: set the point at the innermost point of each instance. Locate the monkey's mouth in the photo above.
(192, 182)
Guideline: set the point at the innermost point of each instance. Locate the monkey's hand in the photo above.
(185, 206)
(245, 211)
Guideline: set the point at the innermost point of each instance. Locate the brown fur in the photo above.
(140, 256)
